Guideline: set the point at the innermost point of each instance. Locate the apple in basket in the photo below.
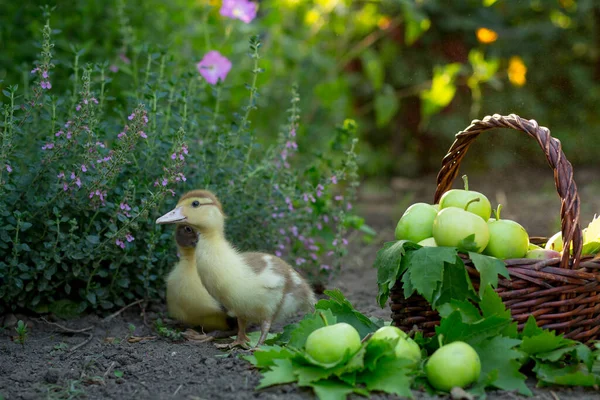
(405, 347)
(508, 239)
(457, 227)
(416, 223)
(459, 198)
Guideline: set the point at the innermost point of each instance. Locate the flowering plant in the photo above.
(87, 171)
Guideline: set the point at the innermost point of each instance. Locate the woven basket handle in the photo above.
(563, 173)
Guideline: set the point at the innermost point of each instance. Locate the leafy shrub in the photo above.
(86, 170)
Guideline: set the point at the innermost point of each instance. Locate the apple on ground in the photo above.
(508, 239)
(459, 198)
(452, 225)
(331, 343)
(405, 348)
(454, 365)
(416, 222)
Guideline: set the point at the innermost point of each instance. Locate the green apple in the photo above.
(454, 365)
(452, 225)
(542, 254)
(405, 348)
(459, 198)
(508, 239)
(416, 222)
(331, 343)
(533, 247)
(437, 207)
(555, 242)
(429, 242)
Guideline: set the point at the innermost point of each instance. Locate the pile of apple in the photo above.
(334, 342)
(462, 215)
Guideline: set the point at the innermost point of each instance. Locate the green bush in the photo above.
(88, 167)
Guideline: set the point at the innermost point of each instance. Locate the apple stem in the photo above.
(497, 212)
(466, 181)
(472, 201)
(323, 318)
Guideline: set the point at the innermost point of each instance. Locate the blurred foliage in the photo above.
(411, 72)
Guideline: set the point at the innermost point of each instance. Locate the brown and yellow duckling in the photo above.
(256, 287)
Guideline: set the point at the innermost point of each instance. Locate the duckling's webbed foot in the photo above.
(241, 340)
(194, 336)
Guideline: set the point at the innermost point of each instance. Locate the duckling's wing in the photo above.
(267, 269)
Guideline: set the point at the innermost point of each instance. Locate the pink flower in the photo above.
(48, 146)
(100, 144)
(173, 156)
(131, 116)
(339, 198)
(313, 256)
(120, 243)
(143, 134)
(243, 10)
(129, 238)
(184, 149)
(78, 107)
(57, 134)
(278, 253)
(214, 67)
(61, 175)
(45, 74)
(345, 242)
(65, 187)
(8, 168)
(46, 85)
(124, 206)
(73, 175)
(165, 181)
(69, 134)
(83, 168)
(349, 206)
(120, 135)
(78, 182)
(33, 71)
(293, 132)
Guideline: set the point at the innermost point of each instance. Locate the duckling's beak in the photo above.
(172, 217)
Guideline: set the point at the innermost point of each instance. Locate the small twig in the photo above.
(111, 366)
(86, 341)
(111, 316)
(64, 328)
(178, 389)
(554, 395)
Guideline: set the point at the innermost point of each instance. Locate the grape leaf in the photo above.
(453, 328)
(334, 390)
(572, 375)
(388, 266)
(426, 268)
(491, 304)
(498, 354)
(345, 312)
(281, 372)
(311, 373)
(531, 328)
(310, 323)
(379, 349)
(544, 342)
(468, 244)
(489, 268)
(456, 285)
(469, 313)
(265, 356)
(391, 376)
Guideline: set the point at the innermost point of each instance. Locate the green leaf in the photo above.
(388, 266)
(573, 375)
(91, 296)
(468, 312)
(456, 285)
(468, 244)
(392, 375)
(373, 68)
(489, 268)
(310, 323)
(426, 268)
(281, 372)
(453, 328)
(531, 328)
(498, 354)
(544, 342)
(332, 390)
(345, 312)
(265, 356)
(386, 106)
(118, 373)
(93, 239)
(376, 350)
(491, 304)
(64, 309)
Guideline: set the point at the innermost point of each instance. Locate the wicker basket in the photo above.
(563, 294)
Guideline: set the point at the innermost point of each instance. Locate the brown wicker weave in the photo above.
(563, 294)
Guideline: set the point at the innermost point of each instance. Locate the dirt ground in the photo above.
(99, 363)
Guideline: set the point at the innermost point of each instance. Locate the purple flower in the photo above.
(65, 186)
(61, 175)
(184, 149)
(45, 74)
(100, 144)
(243, 10)
(173, 156)
(214, 67)
(83, 168)
(114, 68)
(349, 206)
(278, 253)
(73, 175)
(57, 134)
(95, 100)
(124, 206)
(129, 238)
(68, 123)
(313, 256)
(33, 71)
(281, 246)
(305, 197)
(78, 182)
(69, 134)
(145, 119)
(78, 107)
(282, 231)
(132, 116)
(334, 180)
(165, 181)
(339, 197)
(8, 168)
(319, 226)
(294, 230)
(325, 218)
(46, 85)
(120, 243)
(274, 215)
(325, 267)
(48, 146)
(344, 242)
(143, 134)
(124, 58)
(181, 157)
(293, 132)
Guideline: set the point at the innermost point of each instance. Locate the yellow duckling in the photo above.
(256, 287)
(188, 301)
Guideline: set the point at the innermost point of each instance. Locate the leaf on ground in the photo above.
(310, 323)
(281, 372)
(489, 268)
(469, 313)
(544, 342)
(388, 266)
(265, 356)
(391, 376)
(334, 390)
(573, 375)
(425, 268)
(456, 285)
(345, 312)
(498, 354)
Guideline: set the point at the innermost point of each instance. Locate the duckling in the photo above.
(256, 287)
(188, 301)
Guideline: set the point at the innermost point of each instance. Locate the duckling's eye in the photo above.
(187, 229)
(195, 203)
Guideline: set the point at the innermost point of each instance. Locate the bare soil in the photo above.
(100, 363)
